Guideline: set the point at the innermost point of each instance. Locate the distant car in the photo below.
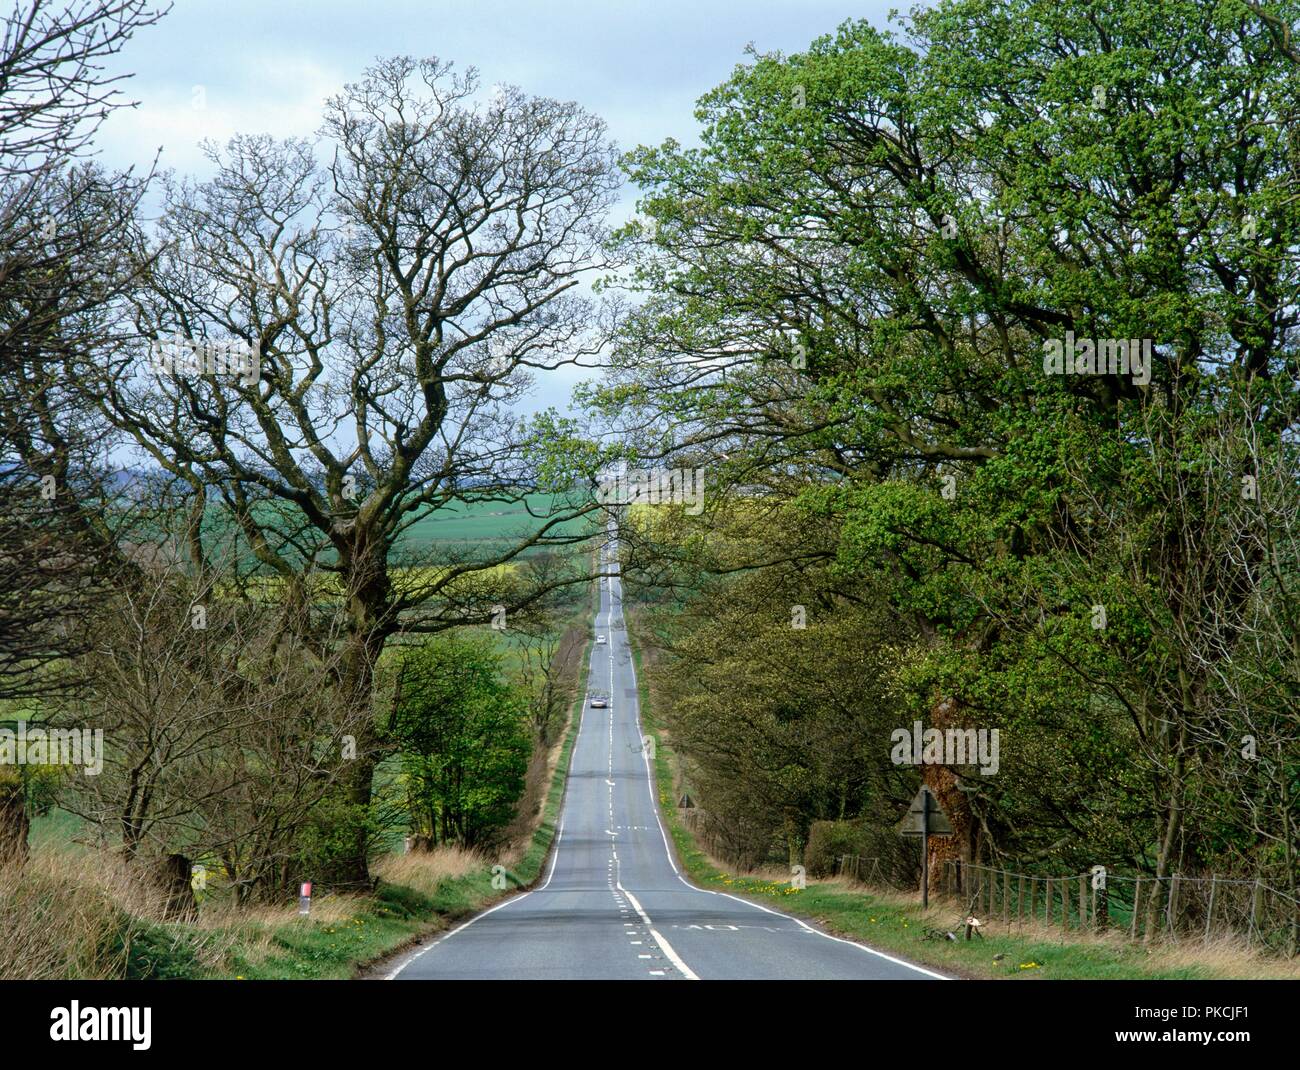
(600, 638)
(599, 702)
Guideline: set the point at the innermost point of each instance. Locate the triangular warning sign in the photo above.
(924, 814)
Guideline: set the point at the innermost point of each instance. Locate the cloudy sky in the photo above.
(212, 68)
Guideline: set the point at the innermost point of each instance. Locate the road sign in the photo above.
(925, 818)
(922, 818)
(686, 803)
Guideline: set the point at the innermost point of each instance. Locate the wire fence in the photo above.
(1143, 909)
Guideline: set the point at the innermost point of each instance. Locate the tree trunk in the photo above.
(794, 838)
(173, 874)
(13, 820)
(369, 604)
(942, 781)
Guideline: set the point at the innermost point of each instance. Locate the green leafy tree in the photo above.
(851, 288)
(464, 739)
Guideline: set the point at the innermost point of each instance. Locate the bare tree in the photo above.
(398, 298)
(61, 221)
(218, 744)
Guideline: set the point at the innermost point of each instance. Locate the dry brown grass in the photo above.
(1226, 957)
(64, 916)
(422, 870)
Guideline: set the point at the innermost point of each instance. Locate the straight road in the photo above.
(613, 904)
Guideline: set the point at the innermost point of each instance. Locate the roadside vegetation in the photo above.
(890, 918)
(977, 335)
(79, 911)
(950, 538)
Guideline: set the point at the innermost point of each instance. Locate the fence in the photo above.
(866, 870)
(1142, 908)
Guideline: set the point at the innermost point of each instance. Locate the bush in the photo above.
(898, 857)
(464, 740)
(827, 841)
(153, 952)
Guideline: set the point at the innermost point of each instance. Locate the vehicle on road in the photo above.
(600, 639)
(599, 702)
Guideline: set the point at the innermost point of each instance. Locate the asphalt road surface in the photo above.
(612, 903)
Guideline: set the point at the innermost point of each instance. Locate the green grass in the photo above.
(488, 522)
(482, 526)
(889, 923)
(59, 827)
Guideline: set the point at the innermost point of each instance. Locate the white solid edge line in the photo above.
(460, 928)
(654, 805)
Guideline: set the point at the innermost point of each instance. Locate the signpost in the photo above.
(925, 817)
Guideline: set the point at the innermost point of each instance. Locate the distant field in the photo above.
(492, 523)
(478, 527)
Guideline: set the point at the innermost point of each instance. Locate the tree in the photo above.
(396, 299)
(464, 741)
(219, 746)
(917, 228)
(61, 222)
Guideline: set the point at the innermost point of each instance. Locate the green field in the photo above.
(490, 523)
(459, 529)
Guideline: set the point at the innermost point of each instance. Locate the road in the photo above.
(613, 904)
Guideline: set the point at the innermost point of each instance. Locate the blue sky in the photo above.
(213, 68)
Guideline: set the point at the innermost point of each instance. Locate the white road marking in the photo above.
(664, 945)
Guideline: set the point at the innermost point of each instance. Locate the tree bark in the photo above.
(942, 781)
(173, 875)
(14, 822)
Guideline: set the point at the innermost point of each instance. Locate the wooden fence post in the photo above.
(1137, 898)
(1083, 902)
(1172, 913)
(1209, 912)
(1047, 903)
(1006, 898)
(1254, 912)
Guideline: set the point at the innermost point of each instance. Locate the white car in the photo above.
(600, 639)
